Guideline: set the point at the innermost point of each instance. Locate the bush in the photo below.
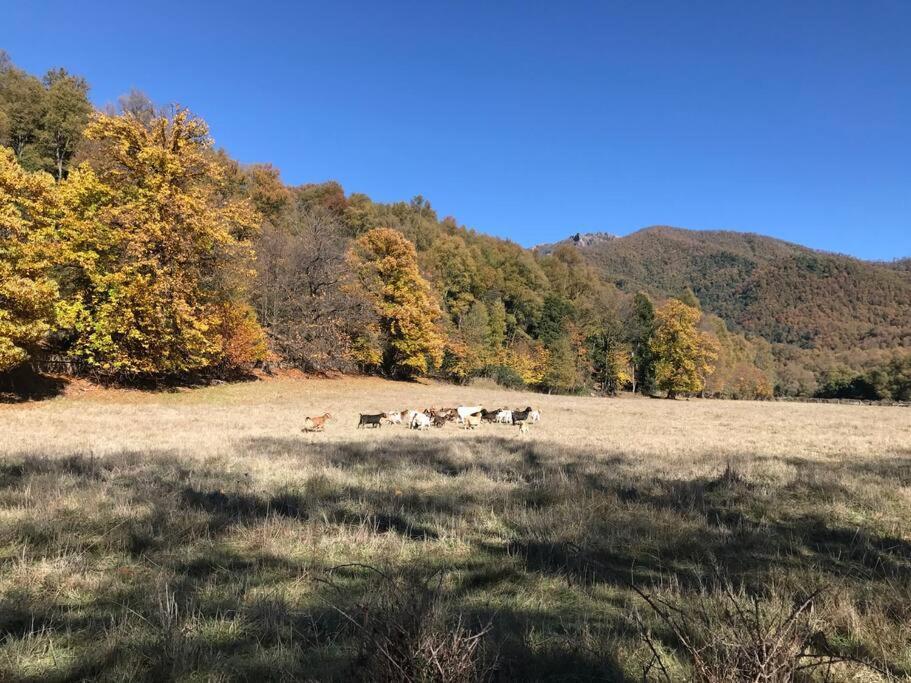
(506, 377)
(733, 635)
(406, 633)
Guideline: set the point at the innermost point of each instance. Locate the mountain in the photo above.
(783, 292)
(580, 239)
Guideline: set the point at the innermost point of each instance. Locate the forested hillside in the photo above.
(135, 250)
(824, 310)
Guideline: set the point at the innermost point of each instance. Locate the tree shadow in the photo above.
(578, 519)
(23, 384)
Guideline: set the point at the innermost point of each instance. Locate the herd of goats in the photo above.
(469, 417)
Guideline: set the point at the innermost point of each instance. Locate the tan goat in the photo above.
(317, 423)
(472, 421)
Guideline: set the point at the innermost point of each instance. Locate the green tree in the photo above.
(554, 316)
(561, 372)
(22, 103)
(610, 358)
(683, 354)
(66, 113)
(640, 327)
(27, 296)
(386, 266)
(454, 273)
(496, 336)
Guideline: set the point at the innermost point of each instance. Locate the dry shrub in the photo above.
(406, 633)
(732, 635)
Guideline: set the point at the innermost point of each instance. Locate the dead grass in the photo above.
(201, 535)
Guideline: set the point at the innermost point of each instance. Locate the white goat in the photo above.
(465, 411)
(534, 416)
(504, 417)
(420, 421)
(395, 417)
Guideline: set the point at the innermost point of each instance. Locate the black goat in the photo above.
(370, 421)
(519, 416)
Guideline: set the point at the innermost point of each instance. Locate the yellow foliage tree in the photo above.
(683, 354)
(386, 266)
(156, 252)
(529, 360)
(27, 296)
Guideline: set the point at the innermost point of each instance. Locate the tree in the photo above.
(137, 104)
(561, 373)
(66, 113)
(301, 291)
(610, 357)
(683, 355)
(27, 295)
(454, 273)
(386, 266)
(640, 327)
(22, 103)
(156, 255)
(468, 351)
(496, 335)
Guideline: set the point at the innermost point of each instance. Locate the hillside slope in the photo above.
(784, 292)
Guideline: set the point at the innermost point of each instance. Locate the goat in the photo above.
(534, 416)
(489, 415)
(523, 427)
(393, 417)
(521, 415)
(439, 421)
(504, 417)
(465, 411)
(370, 421)
(420, 421)
(444, 413)
(316, 423)
(472, 421)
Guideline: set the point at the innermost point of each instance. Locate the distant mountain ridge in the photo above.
(580, 239)
(784, 292)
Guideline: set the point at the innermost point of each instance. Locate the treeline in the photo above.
(136, 251)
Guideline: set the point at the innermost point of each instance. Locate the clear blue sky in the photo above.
(536, 120)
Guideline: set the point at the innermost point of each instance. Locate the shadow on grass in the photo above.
(575, 519)
(23, 384)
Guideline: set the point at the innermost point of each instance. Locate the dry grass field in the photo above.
(200, 535)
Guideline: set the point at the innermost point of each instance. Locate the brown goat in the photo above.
(317, 423)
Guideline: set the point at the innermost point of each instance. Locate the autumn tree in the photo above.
(156, 254)
(386, 266)
(683, 354)
(27, 295)
(302, 293)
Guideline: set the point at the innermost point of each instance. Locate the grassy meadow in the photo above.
(200, 535)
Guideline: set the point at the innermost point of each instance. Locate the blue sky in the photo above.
(535, 120)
